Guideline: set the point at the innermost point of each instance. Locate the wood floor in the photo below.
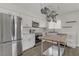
(36, 51)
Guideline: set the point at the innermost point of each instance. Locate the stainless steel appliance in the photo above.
(37, 40)
(10, 35)
(35, 24)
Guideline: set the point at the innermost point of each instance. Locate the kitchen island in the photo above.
(59, 38)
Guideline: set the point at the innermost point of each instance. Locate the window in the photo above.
(54, 25)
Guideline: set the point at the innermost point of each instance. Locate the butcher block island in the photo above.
(56, 48)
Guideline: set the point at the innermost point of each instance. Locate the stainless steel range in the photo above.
(37, 40)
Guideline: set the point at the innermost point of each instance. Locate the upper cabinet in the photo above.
(42, 24)
(27, 21)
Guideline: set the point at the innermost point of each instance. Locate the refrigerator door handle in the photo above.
(13, 28)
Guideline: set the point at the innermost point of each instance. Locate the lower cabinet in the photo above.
(71, 36)
(28, 41)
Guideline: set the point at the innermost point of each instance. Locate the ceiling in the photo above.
(61, 8)
(34, 8)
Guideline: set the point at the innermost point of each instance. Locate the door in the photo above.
(17, 27)
(6, 27)
(18, 35)
(5, 35)
(7, 49)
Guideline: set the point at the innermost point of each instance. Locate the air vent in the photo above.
(71, 22)
(66, 26)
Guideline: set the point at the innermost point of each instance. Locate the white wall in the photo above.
(73, 40)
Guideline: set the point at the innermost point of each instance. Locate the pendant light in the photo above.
(49, 14)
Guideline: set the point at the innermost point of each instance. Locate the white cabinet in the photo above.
(42, 23)
(28, 41)
(71, 39)
(27, 21)
(71, 33)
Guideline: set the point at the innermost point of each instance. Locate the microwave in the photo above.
(35, 24)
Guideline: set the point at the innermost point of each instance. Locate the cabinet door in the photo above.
(71, 36)
(27, 21)
(31, 40)
(7, 49)
(28, 41)
(72, 40)
(25, 42)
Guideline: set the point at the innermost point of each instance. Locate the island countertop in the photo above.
(54, 38)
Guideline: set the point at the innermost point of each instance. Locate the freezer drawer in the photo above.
(19, 47)
(14, 48)
(10, 48)
(7, 49)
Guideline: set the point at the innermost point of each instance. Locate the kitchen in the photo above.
(34, 24)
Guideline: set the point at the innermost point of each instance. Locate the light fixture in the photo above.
(49, 14)
(53, 23)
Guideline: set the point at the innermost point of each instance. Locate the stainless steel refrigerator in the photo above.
(10, 35)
